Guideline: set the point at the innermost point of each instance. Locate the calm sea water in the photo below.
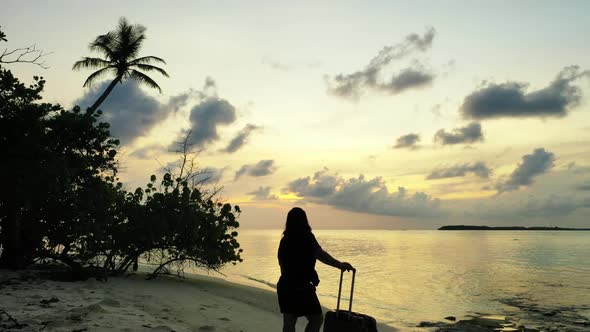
(405, 277)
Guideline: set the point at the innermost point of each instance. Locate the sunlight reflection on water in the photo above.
(409, 276)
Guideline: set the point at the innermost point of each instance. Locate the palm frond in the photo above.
(133, 30)
(134, 46)
(129, 38)
(121, 47)
(143, 78)
(87, 62)
(146, 60)
(104, 44)
(152, 68)
(96, 75)
(124, 74)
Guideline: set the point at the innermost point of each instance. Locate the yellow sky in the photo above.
(273, 64)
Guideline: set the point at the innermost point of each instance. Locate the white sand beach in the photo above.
(198, 303)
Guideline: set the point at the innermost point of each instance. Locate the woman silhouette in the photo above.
(298, 252)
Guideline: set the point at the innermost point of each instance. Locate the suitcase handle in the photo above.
(340, 292)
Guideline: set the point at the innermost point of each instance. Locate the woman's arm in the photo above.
(325, 258)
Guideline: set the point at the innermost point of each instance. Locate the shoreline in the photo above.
(131, 303)
(508, 228)
(201, 302)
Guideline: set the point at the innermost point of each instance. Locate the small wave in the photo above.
(264, 282)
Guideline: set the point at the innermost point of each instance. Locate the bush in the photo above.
(51, 156)
(62, 200)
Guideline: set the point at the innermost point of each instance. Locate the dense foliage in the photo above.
(52, 158)
(62, 201)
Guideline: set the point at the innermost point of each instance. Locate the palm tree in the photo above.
(120, 49)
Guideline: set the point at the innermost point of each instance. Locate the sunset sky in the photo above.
(368, 114)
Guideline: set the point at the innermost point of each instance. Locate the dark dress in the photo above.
(296, 287)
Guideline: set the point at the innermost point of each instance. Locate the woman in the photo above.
(298, 252)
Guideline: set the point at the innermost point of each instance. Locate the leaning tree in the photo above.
(120, 49)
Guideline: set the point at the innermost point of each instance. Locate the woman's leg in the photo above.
(289, 321)
(314, 323)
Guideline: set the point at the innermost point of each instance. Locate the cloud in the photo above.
(276, 65)
(352, 85)
(210, 113)
(555, 206)
(469, 134)
(263, 194)
(407, 141)
(209, 175)
(148, 152)
(210, 87)
(364, 195)
(553, 200)
(130, 111)
(322, 184)
(237, 142)
(175, 103)
(511, 99)
(479, 169)
(207, 116)
(291, 65)
(537, 163)
(552, 208)
(262, 168)
(406, 79)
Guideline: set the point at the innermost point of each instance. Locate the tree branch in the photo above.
(15, 323)
(199, 263)
(25, 55)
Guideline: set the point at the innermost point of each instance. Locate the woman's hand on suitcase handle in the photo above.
(344, 266)
(325, 258)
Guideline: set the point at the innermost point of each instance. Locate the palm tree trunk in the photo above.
(105, 93)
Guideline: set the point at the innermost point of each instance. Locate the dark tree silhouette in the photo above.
(63, 203)
(120, 49)
(55, 164)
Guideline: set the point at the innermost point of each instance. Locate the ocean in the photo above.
(405, 277)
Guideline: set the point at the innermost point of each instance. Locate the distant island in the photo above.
(506, 228)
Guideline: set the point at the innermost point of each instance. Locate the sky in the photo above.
(368, 114)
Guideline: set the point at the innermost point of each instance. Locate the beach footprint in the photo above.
(207, 328)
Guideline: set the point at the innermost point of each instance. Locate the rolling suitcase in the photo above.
(347, 320)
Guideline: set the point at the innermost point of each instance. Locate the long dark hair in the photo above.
(297, 223)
